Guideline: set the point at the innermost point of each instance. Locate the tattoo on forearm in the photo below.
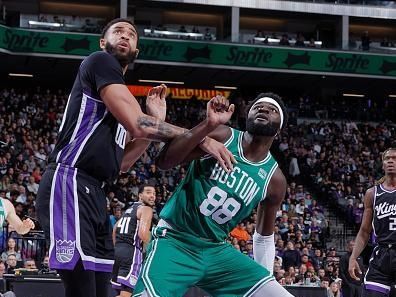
(159, 130)
(165, 130)
(146, 122)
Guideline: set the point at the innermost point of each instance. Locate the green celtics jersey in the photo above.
(3, 213)
(209, 203)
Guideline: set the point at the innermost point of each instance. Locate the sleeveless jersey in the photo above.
(209, 203)
(128, 226)
(384, 217)
(90, 138)
(3, 213)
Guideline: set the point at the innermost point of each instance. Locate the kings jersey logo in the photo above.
(65, 250)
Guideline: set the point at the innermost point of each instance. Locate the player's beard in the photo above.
(122, 57)
(269, 129)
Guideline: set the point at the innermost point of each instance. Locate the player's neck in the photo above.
(256, 148)
(390, 182)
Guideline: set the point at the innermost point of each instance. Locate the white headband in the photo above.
(272, 101)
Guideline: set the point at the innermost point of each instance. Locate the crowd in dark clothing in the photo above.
(319, 158)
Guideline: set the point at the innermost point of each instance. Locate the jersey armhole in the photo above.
(230, 139)
(270, 174)
(226, 144)
(375, 196)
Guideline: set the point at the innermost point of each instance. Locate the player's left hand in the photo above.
(156, 103)
(219, 111)
(219, 152)
(27, 225)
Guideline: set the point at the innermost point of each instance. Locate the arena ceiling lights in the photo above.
(225, 87)
(20, 74)
(391, 96)
(353, 95)
(169, 82)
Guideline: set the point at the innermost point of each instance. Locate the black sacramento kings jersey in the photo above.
(384, 218)
(90, 138)
(128, 226)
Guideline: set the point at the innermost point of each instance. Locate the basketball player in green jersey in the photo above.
(7, 213)
(189, 245)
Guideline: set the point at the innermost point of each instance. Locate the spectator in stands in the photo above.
(334, 290)
(240, 233)
(325, 283)
(12, 249)
(32, 186)
(208, 35)
(195, 30)
(29, 264)
(182, 29)
(300, 40)
(259, 34)
(365, 41)
(291, 257)
(284, 40)
(160, 27)
(312, 43)
(11, 263)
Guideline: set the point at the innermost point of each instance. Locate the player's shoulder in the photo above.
(7, 205)
(101, 58)
(278, 178)
(371, 191)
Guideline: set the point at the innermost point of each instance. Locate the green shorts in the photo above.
(176, 261)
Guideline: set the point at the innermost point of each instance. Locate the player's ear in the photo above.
(102, 43)
(136, 53)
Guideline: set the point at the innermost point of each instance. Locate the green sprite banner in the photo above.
(47, 42)
(219, 54)
(268, 57)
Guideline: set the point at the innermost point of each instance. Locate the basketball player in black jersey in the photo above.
(101, 116)
(380, 214)
(129, 234)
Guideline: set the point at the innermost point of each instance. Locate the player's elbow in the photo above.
(137, 130)
(125, 165)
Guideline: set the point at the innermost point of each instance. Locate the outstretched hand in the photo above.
(219, 111)
(26, 226)
(156, 103)
(219, 152)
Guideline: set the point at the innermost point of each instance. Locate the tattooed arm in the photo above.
(124, 107)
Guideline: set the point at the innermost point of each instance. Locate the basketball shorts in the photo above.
(381, 274)
(72, 210)
(177, 261)
(127, 264)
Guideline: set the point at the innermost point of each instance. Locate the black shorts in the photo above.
(127, 265)
(381, 274)
(72, 209)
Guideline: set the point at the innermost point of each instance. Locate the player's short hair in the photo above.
(277, 98)
(115, 21)
(388, 150)
(142, 187)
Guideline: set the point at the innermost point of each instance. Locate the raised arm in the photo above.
(263, 238)
(125, 108)
(156, 107)
(363, 234)
(193, 143)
